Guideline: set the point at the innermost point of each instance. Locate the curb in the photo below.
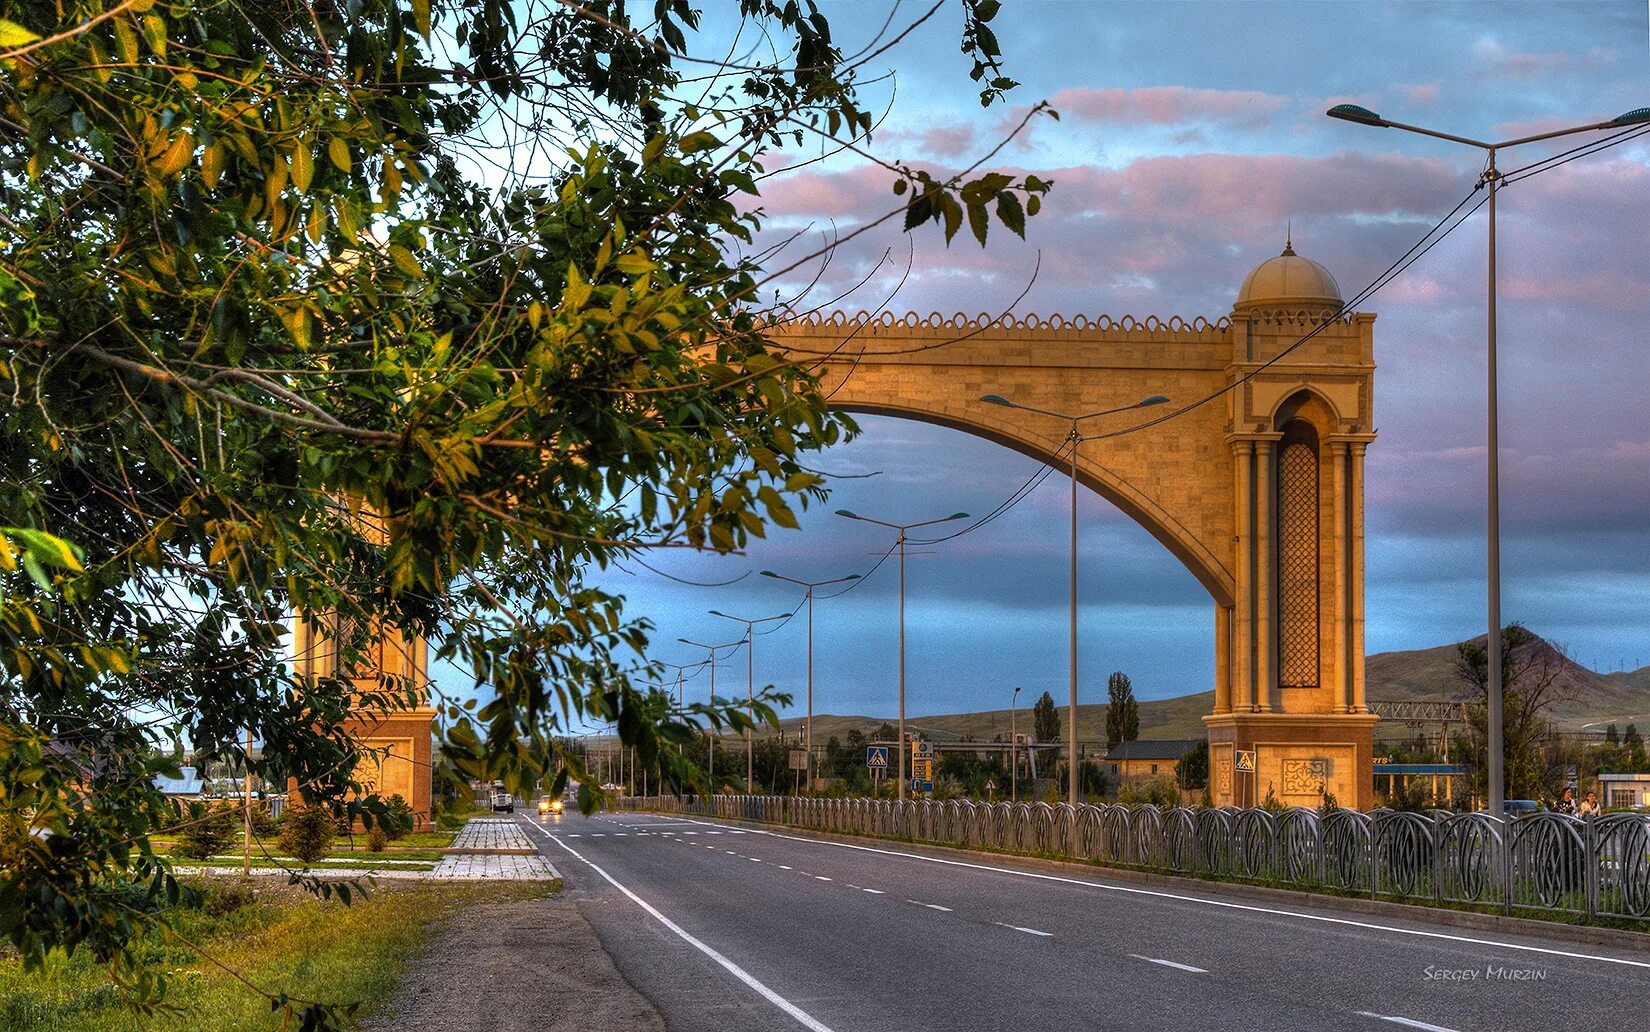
(1583, 934)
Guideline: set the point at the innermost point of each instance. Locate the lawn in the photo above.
(282, 941)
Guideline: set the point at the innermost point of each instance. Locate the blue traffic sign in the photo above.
(876, 757)
(919, 785)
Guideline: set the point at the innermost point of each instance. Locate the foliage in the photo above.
(1532, 682)
(377, 840)
(1122, 711)
(1045, 720)
(208, 830)
(1192, 771)
(307, 831)
(287, 326)
(1158, 791)
(398, 820)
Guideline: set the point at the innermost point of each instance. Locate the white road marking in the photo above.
(1410, 1022)
(1225, 904)
(783, 867)
(574, 835)
(820, 877)
(936, 906)
(1170, 963)
(1028, 931)
(754, 860)
(802, 1017)
(598, 834)
(876, 892)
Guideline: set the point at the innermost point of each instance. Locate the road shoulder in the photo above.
(518, 966)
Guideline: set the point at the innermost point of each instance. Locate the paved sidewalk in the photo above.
(492, 833)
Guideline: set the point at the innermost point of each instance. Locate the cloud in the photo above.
(1169, 106)
(1422, 93)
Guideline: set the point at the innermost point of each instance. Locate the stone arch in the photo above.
(1310, 404)
(1012, 433)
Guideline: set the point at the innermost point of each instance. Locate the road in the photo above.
(725, 926)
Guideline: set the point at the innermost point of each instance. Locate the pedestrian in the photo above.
(1590, 807)
(1567, 803)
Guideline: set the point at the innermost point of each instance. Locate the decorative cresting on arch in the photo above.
(1204, 483)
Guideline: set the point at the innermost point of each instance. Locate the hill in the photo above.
(1420, 674)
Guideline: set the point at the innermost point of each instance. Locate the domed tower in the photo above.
(1290, 716)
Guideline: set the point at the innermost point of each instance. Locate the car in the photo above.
(552, 807)
(504, 801)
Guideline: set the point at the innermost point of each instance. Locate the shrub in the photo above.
(377, 840)
(1159, 791)
(307, 831)
(399, 820)
(225, 897)
(208, 833)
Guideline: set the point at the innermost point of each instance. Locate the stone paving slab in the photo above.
(491, 833)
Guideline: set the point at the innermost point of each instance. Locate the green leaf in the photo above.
(1011, 214)
(978, 222)
(953, 215)
(421, 17)
(338, 151)
(693, 143)
(405, 261)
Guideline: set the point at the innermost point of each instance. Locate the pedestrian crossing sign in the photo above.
(1243, 761)
(876, 757)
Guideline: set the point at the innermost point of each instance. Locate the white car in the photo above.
(504, 801)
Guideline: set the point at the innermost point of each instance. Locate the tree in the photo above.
(1633, 747)
(307, 831)
(1192, 771)
(1533, 682)
(1122, 712)
(208, 830)
(285, 328)
(1045, 722)
(1611, 735)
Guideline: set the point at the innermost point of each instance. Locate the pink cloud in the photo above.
(1420, 93)
(1168, 105)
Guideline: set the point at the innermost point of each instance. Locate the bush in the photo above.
(307, 832)
(208, 833)
(377, 840)
(222, 898)
(399, 820)
(1159, 791)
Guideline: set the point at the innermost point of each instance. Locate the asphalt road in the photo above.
(726, 927)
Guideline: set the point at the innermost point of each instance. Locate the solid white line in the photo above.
(802, 1017)
(1251, 908)
(1028, 931)
(1170, 963)
(1405, 1021)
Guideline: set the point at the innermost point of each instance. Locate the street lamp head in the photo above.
(958, 516)
(770, 573)
(1354, 113)
(996, 399)
(718, 612)
(1156, 399)
(850, 515)
(1632, 117)
(852, 576)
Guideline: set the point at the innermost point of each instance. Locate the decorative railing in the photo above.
(1546, 862)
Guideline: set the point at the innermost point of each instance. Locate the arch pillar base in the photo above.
(1299, 757)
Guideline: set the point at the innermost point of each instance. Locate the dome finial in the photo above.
(1288, 238)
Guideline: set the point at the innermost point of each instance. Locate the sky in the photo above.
(1191, 139)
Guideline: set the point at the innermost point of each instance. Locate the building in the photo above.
(1438, 777)
(188, 785)
(1145, 758)
(1616, 790)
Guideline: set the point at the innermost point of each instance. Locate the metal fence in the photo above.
(1598, 867)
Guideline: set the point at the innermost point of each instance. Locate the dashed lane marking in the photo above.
(1172, 964)
(874, 892)
(1028, 931)
(806, 1020)
(1407, 1022)
(1224, 904)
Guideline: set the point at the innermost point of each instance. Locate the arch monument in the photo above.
(1259, 491)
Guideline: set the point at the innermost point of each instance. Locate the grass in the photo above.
(282, 941)
(366, 861)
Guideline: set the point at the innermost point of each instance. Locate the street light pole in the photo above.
(1492, 524)
(1013, 748)
(810, 585)
(1075, 438)
(903, 529)
(710, 771)
(750, 684)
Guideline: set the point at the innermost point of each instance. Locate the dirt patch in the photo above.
(519, 966)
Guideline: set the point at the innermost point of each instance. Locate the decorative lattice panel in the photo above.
(1298, 564)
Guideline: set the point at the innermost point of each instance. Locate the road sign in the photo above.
(922, 750)
(1243, 761)
(919, 785)
(799, 759)
(922, 769)
(876, 757)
